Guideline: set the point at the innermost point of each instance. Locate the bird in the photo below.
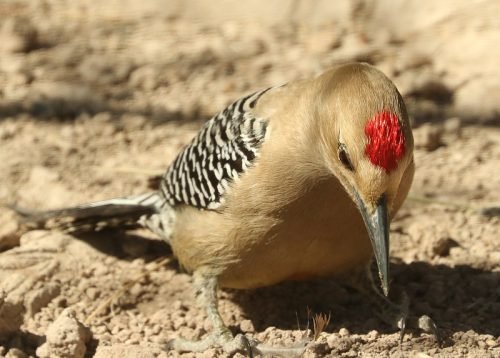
(292, 182)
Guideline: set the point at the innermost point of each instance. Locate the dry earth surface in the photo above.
(94, 102)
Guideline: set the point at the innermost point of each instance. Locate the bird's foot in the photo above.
(220, 336)
(238, 343)
(394, 313)
(224, 340)
(423, 323)
(397, 315)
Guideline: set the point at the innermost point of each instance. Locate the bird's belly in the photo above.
(298, 257)
(321, 234)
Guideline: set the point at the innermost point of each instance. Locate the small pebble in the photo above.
(372, 335)
(332, 339)
(100, 329)
(92, 293)
(247, 326)
(135, 338)
(100, 271)
(177, 305)
(156, 329)
(159, 339)
(115, 330)
(344, 332)
(491, 343)
(16, 353)
(443, 246)
(343, 344)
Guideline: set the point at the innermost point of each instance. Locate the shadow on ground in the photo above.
(458, 298)
(126, 245)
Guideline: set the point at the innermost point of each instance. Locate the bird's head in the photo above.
(367, 144)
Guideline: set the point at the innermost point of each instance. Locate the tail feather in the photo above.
(123, 213)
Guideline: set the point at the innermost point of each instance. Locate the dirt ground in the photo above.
(96, 105)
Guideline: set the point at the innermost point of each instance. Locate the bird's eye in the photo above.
(344, 158)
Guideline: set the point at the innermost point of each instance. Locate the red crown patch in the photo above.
(386, 142)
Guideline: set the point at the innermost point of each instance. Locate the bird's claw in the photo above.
(427, 325)
(404, 322)
(230, 345)
(400, 311)
(220, 339)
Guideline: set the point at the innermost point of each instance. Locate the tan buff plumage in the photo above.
(290, 216)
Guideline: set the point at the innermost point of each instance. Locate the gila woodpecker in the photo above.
(291, 182)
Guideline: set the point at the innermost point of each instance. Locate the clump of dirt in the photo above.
(66, 337)
(93, 107)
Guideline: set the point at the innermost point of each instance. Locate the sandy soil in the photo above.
(96, 107)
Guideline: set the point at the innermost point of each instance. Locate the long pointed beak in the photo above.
(377, 224)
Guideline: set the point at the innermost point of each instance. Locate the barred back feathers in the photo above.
(223, 149)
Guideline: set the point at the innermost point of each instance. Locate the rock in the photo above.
(491, 343)
(372, 335)
(344, 344)
(25, 273)
(16, 353)
(344, 332)
(332, 339)
(66, 338)
(37, 299)
(11, 314)
(9, 229)
(247, 326)
(443, 246)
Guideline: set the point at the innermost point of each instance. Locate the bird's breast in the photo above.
(319, 234)
(279, 222)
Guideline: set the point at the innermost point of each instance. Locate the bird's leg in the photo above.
(206, 294)
(221, 336)
(394, 314)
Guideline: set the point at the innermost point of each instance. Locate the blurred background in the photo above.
(188, 58)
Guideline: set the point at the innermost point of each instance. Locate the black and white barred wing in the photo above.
(223, 149)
